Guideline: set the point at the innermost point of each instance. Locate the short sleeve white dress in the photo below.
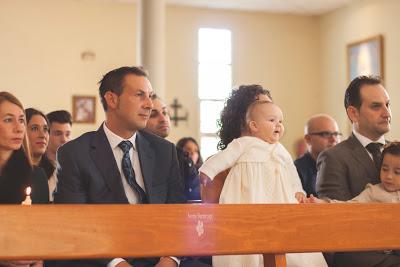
(261, 173)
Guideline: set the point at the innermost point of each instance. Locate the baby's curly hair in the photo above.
(233, 116)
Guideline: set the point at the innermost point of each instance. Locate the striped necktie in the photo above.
(130, 173)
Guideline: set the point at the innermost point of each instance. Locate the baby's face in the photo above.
(390, 172)
(268, 118)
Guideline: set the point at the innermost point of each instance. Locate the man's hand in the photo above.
(166, 262)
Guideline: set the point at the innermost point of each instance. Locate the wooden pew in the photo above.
(103, 231)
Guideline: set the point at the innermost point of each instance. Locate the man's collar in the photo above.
(115, 139)
(365, 140)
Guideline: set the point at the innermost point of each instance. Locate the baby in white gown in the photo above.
(262, 171)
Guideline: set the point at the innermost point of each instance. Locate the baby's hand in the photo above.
(313, 199)
(301, 198)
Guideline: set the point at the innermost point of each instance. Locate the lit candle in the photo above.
(28, 200)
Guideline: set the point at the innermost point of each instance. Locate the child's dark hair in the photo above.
(393, 148)
(233, 116)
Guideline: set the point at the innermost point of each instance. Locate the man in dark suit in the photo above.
(119, 163)
(344, 170)
(321, 132)
(160, 124)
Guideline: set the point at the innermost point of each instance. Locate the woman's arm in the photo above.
(210, 190)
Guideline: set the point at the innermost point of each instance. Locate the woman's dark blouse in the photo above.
(12, 189)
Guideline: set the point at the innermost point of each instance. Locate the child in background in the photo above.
(262, 171)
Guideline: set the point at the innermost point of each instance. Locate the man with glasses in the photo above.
(344, 170)
(320, 132)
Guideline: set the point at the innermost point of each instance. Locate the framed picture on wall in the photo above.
(365, 57)
(84, 109)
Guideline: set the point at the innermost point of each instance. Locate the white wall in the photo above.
(359, 21)
(41, 43)
(280, 52)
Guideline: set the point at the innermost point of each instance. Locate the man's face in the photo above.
(132, 108)
(60, 133)
(323, 133)
(373, 118)
(159, 122)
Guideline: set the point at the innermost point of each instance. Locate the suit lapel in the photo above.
(361, 155)
(103, 157)
(147, 161)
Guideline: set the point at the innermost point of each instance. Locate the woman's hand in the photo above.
(301, 198)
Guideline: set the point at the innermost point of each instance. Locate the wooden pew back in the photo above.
(104, 231)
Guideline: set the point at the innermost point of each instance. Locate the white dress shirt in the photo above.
(132, 196)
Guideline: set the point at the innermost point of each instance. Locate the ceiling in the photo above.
(309, 7)
(303, 7)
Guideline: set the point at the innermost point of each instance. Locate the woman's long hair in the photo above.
(45, 162)
(233, 116)
(182, 142)
(18, 168)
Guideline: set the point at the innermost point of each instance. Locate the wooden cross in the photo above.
(175, 118)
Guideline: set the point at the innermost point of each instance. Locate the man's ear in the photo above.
(111, 99)
(352, 113)
(307, 138)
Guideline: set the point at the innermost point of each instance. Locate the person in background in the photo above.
(320, 132)
(38, 136)
(159, 124)
(16, 169)
(190, 146)
(300, 147)
(60, 131)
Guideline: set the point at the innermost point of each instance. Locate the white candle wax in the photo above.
(28, 200)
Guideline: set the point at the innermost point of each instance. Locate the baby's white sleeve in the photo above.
(365, 196)
(293, 174)
(224, 159)
(296, 182)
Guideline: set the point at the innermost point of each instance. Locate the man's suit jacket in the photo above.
(307, 170)
(88, 173)
(343, 172)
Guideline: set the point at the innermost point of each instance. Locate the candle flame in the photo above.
(28, 190)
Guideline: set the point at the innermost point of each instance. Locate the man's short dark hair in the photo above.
(113, 81)
(352, 96)
(60, 116)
